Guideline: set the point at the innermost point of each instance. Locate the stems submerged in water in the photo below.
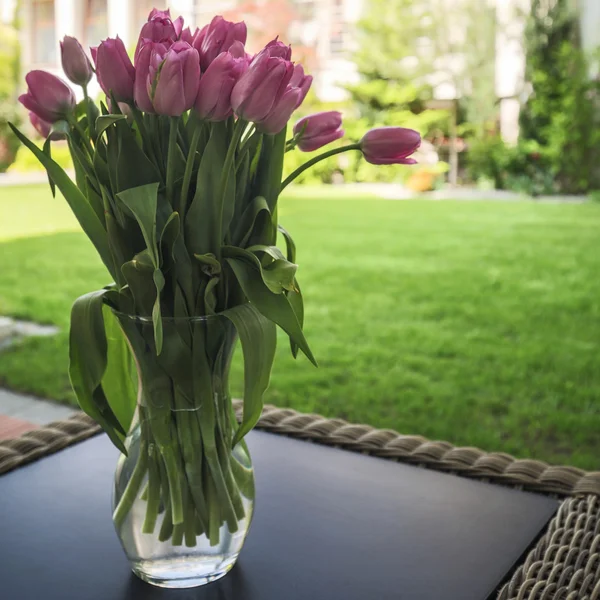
(186, 427)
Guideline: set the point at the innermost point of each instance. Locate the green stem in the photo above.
(146, 141)
(132, 489)
(174, 478)
(166, 529)
(88, 110)
(84, 137)
(173, 130)
(314, 161)
(187, 176)
(238, 130)
(153, 502)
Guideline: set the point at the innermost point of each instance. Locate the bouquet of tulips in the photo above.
(177, 180)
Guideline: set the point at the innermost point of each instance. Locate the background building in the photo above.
(323, 29)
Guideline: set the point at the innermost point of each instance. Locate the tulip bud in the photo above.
(164, 15)
(293, 95)
(187, 35)
(160, 29)
(50, 98)
(390, 145)
(214, 93)
(261, 86)
(277, 48)
(173, 79)
(75, 63)
(142, 71)
(114, 70)
(315, 131)
(218, 37)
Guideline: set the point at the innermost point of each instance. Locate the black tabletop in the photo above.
(329, 525)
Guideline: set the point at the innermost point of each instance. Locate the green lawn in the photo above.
(475, 322)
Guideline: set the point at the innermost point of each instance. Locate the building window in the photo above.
(339, 30)
(44, 34)
(142, 9)
(96, 23)
(305, 10)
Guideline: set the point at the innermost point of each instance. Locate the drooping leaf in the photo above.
(120, 378)
(275, 307)
(258, 338)
(297, 303)
(169, 235)
(278, 275)
(141, 285)
(254, 223)
(290, 245)
(81, 208)
(103, 122)
(142, 202)
(87, 363)
(210, 265)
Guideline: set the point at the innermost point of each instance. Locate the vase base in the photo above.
(180, 573)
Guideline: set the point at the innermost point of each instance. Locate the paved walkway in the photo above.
(20, 413)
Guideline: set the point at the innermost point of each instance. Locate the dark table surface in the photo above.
(329, 525)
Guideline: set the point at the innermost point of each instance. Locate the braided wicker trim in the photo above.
(565, 563)
(46, 440)
(495, 467)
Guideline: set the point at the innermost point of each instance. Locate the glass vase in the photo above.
(183, 496)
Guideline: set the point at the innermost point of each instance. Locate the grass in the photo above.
(474, 322)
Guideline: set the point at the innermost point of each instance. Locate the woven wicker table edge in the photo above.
(563, 565)
(531, 475)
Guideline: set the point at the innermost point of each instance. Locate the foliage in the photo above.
(10, 58)
(482, 328)
(562, 113)
(523, 168)
(411, 52)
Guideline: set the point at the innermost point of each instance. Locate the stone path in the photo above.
(19, 412)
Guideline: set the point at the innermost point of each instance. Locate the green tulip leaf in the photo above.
(48, 152)
(275, 307)
(142, 202)
(81, 208)
(258, 339)
(88, 349)
(202, 219)
(103, 122)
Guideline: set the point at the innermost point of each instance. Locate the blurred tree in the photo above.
(410, 52)
(10, 62)
(562, 112)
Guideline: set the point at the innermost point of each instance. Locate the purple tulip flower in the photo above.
(261, 87)
(173, 79)
(390, 145)
(218, 37)
(50, 98)
(141, 94)
(288, 102)
(159, 28)
(75, 63)
(214, 93)
(114, 69)
(318, 130)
